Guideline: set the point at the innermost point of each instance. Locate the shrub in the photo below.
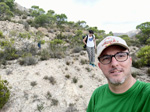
(54, 102)
(67, 76)
(4, 92)
(1, 35)
(33, 83)
(71, 108)
(45, 55)
(48, 95)
(144, 55)
(57, 50)
(26, 26)
(136, 64)
(28, 60)
(24, 35)
(77, 49)
(88, 69)
(52, 80)
(83, 61)
(75, 80)
(40, 107)
(4, 43)
(10, 53)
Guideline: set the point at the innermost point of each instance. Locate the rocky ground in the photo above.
(55, 85)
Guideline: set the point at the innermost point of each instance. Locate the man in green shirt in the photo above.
(123, 93)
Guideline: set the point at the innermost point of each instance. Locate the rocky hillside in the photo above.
(55, 85)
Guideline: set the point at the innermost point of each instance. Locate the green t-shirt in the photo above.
(136, 99)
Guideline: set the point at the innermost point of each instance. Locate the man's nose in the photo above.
(114, 62)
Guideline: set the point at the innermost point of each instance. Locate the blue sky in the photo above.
(109, 15)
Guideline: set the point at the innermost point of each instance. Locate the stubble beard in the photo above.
(116, 82)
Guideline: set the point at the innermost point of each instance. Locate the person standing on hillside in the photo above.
(123, 93)
(90, 46)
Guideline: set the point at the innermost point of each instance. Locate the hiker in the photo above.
(90, 46)
(123, 93)
(39, 44)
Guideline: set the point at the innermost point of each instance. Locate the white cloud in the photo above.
(108, 15)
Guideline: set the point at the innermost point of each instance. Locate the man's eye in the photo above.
(121, 55)
(105, 58)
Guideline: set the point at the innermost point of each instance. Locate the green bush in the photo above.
(45, 55)
(57, 50)
(4, 92)
(4, 43)
(24, 35)
(1, 35)
(28, 60)
(10, 53)
(144, 55)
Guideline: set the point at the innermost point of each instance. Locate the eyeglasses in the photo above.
(120, 56)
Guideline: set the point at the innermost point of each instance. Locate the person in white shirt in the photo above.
(90, 47)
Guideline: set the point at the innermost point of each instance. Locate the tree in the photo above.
(111, 33)
(41, 20)
(144, 55)
(50, 12)
(61, 19)
(36, 11)
(144, 34)
(5, 10)
(10, 3)
(81, 23)
(126, 38)
(51, 17)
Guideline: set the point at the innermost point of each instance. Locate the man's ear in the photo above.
(131, 60)
(99, 65)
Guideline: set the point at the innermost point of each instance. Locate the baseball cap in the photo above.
(108, 41)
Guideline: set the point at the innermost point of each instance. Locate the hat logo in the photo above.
(109, 41)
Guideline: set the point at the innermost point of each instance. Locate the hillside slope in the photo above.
(70, 94)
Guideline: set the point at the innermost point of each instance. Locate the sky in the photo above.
(118, 16)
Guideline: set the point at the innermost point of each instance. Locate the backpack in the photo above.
(86, 40)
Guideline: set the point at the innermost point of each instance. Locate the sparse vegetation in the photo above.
(4, 92)
(33, 83)
(45, 55)
(51, 79)
(28, 60)
(54, 102)
(71, 108)
(40, 107)
(77, 49)
(80, 86)
(83, 61)
(75, 80)
(67, 76)
(48, 95)
(88, 69)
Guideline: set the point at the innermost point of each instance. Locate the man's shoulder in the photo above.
(145, 86)
(101, 89)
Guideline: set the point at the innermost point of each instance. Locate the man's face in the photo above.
(116, 72)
